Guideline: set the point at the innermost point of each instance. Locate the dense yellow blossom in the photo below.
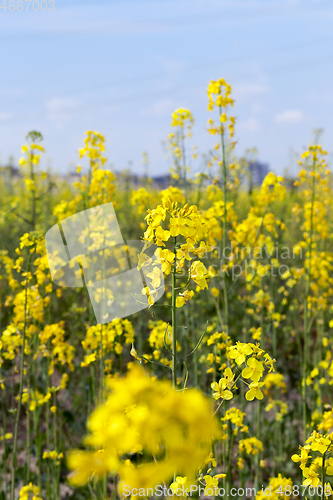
(120, 426)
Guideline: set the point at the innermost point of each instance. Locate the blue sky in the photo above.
(122, 67)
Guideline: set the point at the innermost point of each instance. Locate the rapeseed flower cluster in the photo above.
(256, 360)
(30, 492)
(172, 442)
(315, 460)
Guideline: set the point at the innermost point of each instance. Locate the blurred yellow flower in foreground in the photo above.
(177, 439)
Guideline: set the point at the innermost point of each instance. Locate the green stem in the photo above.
(35, 420)
(257, 478)
(323, 477)
(55, 447)
(28, 426)
(17, 416)
(174, 319)
(305, 319)
(224, 236)
(101, 366)
(4, 424)
(184, 164)
(230, 446)
(33, 194)
(47, 424)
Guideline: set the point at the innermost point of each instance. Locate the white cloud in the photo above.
(59, 110)
(251, 125)
(5, 117)
(289, 116)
